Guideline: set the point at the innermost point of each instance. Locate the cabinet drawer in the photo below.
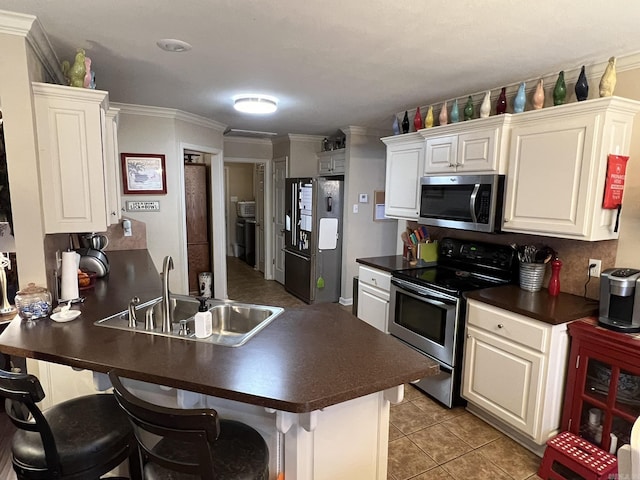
(509, 325)
(375, 278)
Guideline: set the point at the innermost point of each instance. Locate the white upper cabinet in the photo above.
(557, 168)
(331, 162)
(405, 166)
(72, 142)
(112, 167)
(475, 146)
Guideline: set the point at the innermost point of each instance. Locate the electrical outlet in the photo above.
(355, 208)
(595, 271)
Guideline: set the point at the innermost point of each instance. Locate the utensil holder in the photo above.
(531, 275)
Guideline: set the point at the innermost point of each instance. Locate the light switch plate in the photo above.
(364, 198)
(355, 208)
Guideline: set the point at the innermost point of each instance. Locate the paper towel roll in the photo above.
(69, 280)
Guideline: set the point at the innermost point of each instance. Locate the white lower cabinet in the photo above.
(373, 297)
(514, 369)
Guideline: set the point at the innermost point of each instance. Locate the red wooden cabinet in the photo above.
(602, 396)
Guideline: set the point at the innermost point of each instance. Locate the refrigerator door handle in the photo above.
(306, 259)
(329, 204)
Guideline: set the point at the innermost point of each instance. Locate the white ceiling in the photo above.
(331, 63)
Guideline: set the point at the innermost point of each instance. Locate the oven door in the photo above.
(424, 318)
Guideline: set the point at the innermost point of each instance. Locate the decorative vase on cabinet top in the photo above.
(76, 72)
(417, 120)
(468, 109)
(538, 96)
(608, 80)
(455, 112)
(501, 104)
(405, 122)
(582, 86)
(87, 74)
(519, 100)
(444, 115)
(560, 90)
(485, 106)
(395, 126)
(428, 120)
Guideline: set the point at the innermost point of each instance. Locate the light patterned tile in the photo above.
(437, 473)
(436, 411)
(439, 443)
(408, 418)
(406, 460)
(473, 466)
(535, 477)
(511, 457)
(411, 392)
(394, 433)
(473, 430)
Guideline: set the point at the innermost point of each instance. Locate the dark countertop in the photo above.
(539, 305)
(308, 358)
(389, 263)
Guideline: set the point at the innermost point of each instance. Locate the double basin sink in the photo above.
(233, 323)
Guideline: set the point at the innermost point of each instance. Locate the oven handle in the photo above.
(472, 203)
(424, 293)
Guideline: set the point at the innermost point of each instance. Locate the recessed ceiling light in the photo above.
(255, 103)
(173, 45)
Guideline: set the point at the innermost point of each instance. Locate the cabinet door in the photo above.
(548, 182)
(405, 163)
(338, 163)
(441, 154)
(324, 165)
(112, 167)
(477, 151)
(373, 307)
(70, 132)
(503, 378)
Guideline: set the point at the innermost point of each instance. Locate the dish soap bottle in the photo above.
(202, 319)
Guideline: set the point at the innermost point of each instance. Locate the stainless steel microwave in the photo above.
(467, 202)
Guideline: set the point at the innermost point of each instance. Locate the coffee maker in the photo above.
(620, 300)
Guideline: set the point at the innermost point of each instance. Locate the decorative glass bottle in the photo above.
(538, 96)
(405, 122)
(428, 120)
(485, 106)
(554, 282)
(519, 100)
(444, 114)
(455, 112)
(501, 104)
(560, 90)
(396, 127)
(582, 87)
(417, 120)
(468, 109)
(608, 80)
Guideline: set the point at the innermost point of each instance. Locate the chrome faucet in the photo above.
(167, 313)
(132, 311)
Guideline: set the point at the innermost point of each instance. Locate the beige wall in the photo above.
(236, 147)
(240, 182)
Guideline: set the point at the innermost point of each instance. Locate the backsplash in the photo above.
(574, 254)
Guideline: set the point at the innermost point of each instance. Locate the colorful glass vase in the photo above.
(560, 90)
(395, 126)
(608, 80)
(537, 101)
(485, 106)
(455, 112)
(428, 120)
(519, 100)
(405, 122)
(417, 120)
(582, 86)
(554, 281)
(468, 109)
(444, 114)
(501, 104)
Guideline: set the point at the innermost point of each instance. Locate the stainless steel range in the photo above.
(427, 306)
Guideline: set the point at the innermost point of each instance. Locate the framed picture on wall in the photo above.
(143, 174)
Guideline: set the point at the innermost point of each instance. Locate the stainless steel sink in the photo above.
(233, 323)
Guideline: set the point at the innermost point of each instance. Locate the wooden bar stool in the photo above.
(80, 439)
(578, 456)
(177, 444)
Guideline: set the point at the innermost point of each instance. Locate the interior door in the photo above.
(260, 216)
(279, 175)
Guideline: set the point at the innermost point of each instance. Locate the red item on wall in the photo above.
(554, 282)
(614, 183)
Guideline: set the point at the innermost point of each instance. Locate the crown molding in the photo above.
(257, 141)
(171, 113)
(305, 138)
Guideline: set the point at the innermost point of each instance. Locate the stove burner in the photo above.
(461, 273)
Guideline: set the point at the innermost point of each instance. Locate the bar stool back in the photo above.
(182, 444)
(79, 439)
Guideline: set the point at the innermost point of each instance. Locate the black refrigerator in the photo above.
(313, 239)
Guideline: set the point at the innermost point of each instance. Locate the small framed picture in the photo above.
(143, 174)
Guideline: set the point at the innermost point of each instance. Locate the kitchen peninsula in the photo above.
(317, 381)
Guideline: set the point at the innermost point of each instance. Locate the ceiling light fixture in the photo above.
(173, 45)
(252, 103)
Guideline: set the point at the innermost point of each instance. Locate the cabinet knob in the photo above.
(468, 336)
(373, 280)
(500, 325)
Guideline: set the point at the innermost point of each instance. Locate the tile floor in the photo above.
(426, 440)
